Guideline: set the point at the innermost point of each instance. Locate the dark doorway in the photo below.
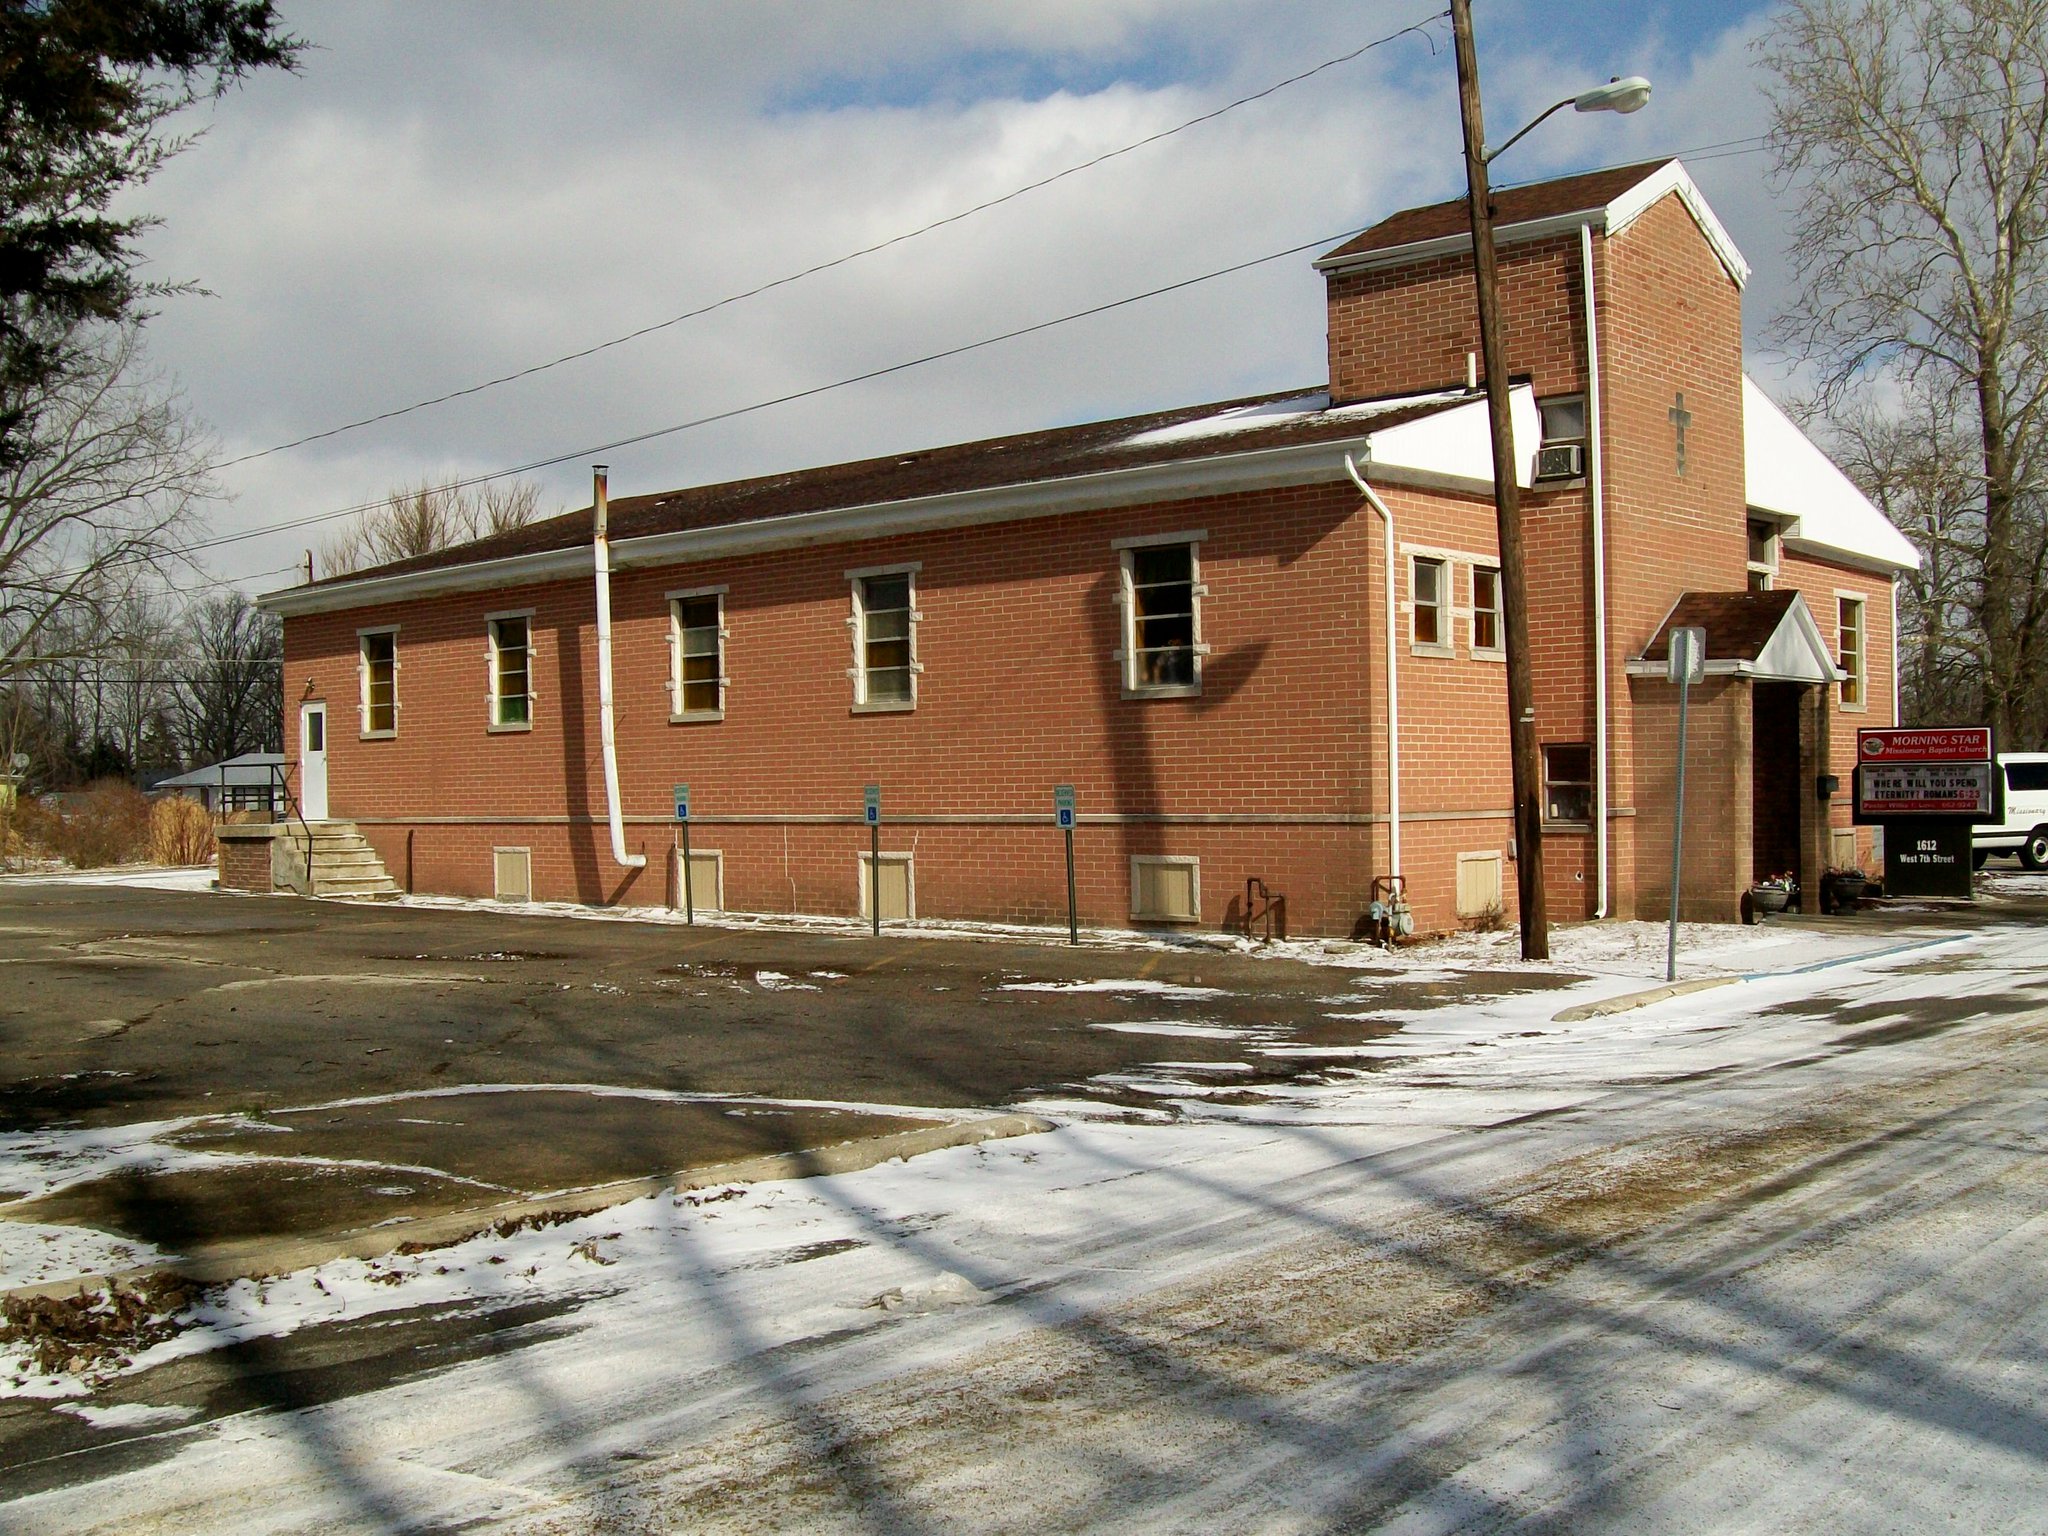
(1774, 779)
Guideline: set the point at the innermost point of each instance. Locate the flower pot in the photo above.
(1769, 898)
(1845, 891)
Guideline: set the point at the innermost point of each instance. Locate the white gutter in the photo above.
(1599, 510)
(601, 546)
(1895, 650)
(1393, 673)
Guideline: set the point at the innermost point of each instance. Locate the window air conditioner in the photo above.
(1561, 461)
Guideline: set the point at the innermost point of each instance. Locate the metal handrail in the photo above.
(281, 786)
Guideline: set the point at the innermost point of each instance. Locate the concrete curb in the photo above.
(1632, 1000)
(276, 1256)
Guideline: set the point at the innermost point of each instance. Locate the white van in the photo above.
(2025, 798)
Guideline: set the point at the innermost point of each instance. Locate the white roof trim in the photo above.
(1823, 512)
(1671, 177)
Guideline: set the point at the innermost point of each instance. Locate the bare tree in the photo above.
(418, 520)
(114, 480)
(1916, 132)
(1918, 466)
(231, 697)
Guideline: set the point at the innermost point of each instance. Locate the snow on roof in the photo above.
(1791, 478)
(1244, 418)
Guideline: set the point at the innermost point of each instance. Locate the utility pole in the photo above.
(1507, 503)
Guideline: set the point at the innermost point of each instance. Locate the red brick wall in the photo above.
(245, 864)
(1823, 584)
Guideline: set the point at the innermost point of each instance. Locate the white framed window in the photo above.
(1568, 784)
(1489, 632)
(897, 882)
(1427, 629)
(696, 655)
(1763, 554)
(512, 874)
(1161, 593)
(1853, 643)
(1166, 888)
(377, 672)
(509, 655)
(884, 626)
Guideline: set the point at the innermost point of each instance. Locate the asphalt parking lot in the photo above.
(375, 1063)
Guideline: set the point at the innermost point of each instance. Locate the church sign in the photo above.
(1926, 787)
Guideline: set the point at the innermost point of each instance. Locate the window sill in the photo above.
(1855, 709)
(886, 707)
(1582, 828)
(1164, 691)
(510, 728)
(1440, 652)
(697, 717)
(1481, 655)
(390, 735)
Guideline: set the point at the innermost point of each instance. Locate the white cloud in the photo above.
(451, 191)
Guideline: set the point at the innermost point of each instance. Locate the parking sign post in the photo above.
(872, 809)
(1063, 813)
(1688, 666)
(683, 822)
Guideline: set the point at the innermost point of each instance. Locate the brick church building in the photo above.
(1223, 625)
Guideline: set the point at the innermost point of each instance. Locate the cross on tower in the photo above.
(1681, 418)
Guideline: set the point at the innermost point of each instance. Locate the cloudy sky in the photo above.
(453, 190)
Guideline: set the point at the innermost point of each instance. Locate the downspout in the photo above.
(1393, 672)
(1599, 510)
(601, 545)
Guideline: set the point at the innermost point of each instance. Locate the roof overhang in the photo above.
(1216, 475)
(1610, 219)
(1794, 653)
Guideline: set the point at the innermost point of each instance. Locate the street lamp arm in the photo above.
(1491, 155)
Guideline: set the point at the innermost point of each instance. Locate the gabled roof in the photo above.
(1823, 512)
(1292, 438)
(1611, 200)
(1766, 635)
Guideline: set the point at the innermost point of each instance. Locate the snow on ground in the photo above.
(145, 877)
(883, 1333)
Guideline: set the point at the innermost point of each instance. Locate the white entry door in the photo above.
(313, 761)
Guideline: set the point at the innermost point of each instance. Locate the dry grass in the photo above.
(180, 832)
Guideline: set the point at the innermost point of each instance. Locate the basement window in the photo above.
(1568, 784)
(511, 663)
(696, 664)
(884, 624)
(1165, 888)
(377, 666)
(1162, 603)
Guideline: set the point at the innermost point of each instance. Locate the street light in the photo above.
(1616, 96)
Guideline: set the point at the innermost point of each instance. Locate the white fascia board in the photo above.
(1828, 515)
(1673, 177)
(1454, 448)
(1259, 469)
(1459, 244)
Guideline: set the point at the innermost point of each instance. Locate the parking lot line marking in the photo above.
(1150, 965)
(885, 960)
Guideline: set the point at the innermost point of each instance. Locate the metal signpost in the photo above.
(683, 821)
(1063, 813)
(1687, 666)
(872, 809)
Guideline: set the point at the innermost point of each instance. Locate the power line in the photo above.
(315, 518)
(1420, 28)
